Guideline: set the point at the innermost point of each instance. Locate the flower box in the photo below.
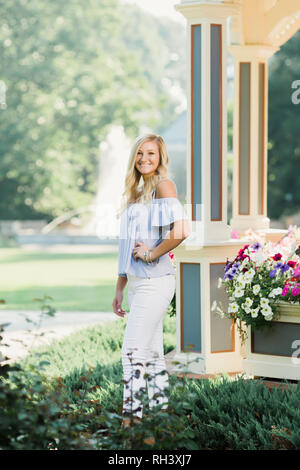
(275, 352)
(263, 285)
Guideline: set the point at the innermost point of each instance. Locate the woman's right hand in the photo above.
(117, 304)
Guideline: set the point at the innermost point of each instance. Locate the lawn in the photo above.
(81, 282)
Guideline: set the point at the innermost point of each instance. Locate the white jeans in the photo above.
(142, 350)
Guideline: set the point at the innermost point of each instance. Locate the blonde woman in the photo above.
(153, 222)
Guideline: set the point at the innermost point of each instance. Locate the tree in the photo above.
(70, 70)
(284, 136)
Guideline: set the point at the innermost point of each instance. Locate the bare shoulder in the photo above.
(165, 188)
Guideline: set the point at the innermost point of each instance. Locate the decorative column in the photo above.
(207, 119)
(250, 138)
(210, 341)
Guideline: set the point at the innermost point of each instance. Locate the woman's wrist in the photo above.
(148, 258)
(151, 256)
(121, 284)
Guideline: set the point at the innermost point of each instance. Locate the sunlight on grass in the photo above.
(83, 281)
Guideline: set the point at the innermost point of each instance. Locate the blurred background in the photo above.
(78, 82)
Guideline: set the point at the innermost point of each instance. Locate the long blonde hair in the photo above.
(133, 177)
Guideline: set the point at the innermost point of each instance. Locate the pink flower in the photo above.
(295, 291)
(277, 257)
(285, 290)
(297, 272)
(241, 251)
(171, 255)
(235, 234)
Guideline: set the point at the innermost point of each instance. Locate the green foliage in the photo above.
(172, 306)
(283, 131)
(82, 407)
(58, 396)
(34, 413)
(97, 346)
(244, 414)
(33, 417)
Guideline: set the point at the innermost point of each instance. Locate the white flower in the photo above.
(238, 292)
(240, 280)
(278, 290)
(269, 317)
(244, 262)
(249, 274)
(247, 309)
(248, 301)
(242, 284)
(233, 307)
(257, 257)
(266, 311)
(256, 289)
(220, 282)
(264, 302)
(254, 312)
(214, 305)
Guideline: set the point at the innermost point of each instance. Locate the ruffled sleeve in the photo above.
(165, 211)
(126, 240)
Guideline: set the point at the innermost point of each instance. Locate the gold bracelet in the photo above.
(146, 257)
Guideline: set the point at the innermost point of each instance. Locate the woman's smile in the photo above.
(147, 158)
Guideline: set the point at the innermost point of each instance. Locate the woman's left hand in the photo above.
(139, 250)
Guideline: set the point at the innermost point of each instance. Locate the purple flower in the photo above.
(279, 265)
(273, 273)
(256, 246)
(284, 268)
(229, 276)
(236, 265)
(228, 266)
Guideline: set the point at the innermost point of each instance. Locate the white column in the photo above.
(207, 120)
(201, 258)
(250, 137)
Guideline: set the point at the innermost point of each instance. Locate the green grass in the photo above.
(97, 347)
(82, 282)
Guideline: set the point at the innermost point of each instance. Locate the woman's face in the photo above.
(147, 158)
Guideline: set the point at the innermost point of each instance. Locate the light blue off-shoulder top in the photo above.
(149, 223)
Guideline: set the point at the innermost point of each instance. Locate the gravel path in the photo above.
(19, 334)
